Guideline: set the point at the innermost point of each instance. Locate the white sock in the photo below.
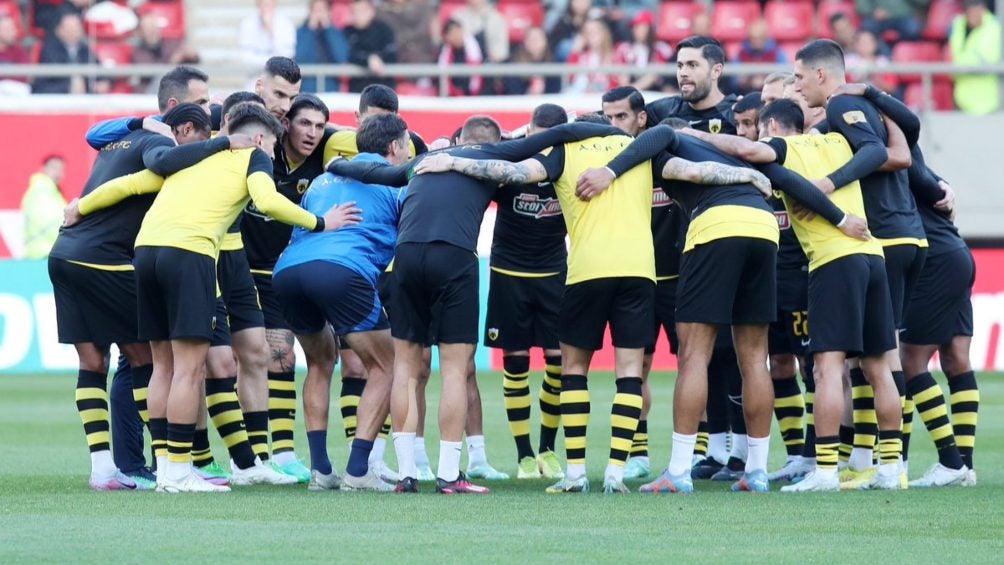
(162, 466)
(449, 460)
(641, 458)
(717, 447)
(421, 455)
(476, 451)
(615, 472)
(826, 473)
(284, 458)
(575, 470)
(404, 448)
(756, 458)
(740, 447)
(102, 464)
(177, 471)
(861, 459)
(379, 446)
(683, 451)
(888, 469)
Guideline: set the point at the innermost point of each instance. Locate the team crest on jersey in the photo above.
(493, 333)
(783, 221)
(536, 206)
(301, 185)
(715, 125)
(660, 198)
(855, 117)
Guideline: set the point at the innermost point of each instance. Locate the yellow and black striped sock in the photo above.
(809, 448)
(158, 437)
(575, 417)
(890, 446)
(202, 454)
(826, 452)
(257, 428)
(789, 409)
(179, 442)
(863, 405)
(92, 405)
(516, 397)
(639, 445)
(282, 410)
(550, 403)
(930, 402)
(703, 437)
(348, 403)
(624, 415)
(908, 409)
(225, 411)
(140, 389)
(965, 413)
(846, 438)
(385, 428)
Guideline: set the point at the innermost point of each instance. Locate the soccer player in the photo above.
(848, 294)
(700, 62)
(892, 212)
(745, 113)
(278, 85)
(773, 86)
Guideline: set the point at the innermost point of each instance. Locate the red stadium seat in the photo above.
(521, 16)
(916, 52)
(113, 53)
(446, 9)
(789, 21)
(732, 49)
(829, 8)
(790, 48)
(942, 96)
(676, 19)
(171, 14)
(939, 19)
(341, 14)
(730, 21)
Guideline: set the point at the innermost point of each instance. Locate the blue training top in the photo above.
(367, 247)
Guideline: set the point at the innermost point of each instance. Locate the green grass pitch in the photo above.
(47, 513)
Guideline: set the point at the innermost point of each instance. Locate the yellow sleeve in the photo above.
(120, 188)
(342, 143)
(261, 187)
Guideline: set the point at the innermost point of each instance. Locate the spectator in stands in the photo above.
(568, 26)
(880, 16)
(153, 48)
(620, 15)
(641, 50)
(265, 34)
(415, 28)
(460, 47)
(48, 14)
(975, 39)
(67, 45)
(42, 208)
(843, 31)
(866, 53)
(11, 50)
(319, 42)
(701, 25)
(593, 47)
(534, 49)
(371, 45)
(759, 47)
(480, 19)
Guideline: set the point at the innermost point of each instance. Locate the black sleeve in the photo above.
(802, 190)
(260, 163)
(520, 149)
(215, 116)
(897, 112)
(166, 161)
(780, 147)
(553, 161)
(420, 146)
(923, 181)
(134, 124)
(846, 114)
(372, 173)
(645, 147)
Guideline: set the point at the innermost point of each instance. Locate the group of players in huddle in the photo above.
(728, 223)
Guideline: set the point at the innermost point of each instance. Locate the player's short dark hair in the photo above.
(549, 115)
(593, 118)
(821, 53)
(244, 115)
(634, 97)
(283, 67)
(751, 101)
(307, 101)
(175, 84)
(378, 96)
(710, 48)
(785, 112)
(377, 132)
(185, 113)
(675, 123)
(481, 129)
(238, 97)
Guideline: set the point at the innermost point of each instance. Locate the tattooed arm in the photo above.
(502, 172)
(749, 151)
(712, 173)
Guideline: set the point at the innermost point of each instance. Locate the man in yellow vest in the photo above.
(42, 207)
(975, 39)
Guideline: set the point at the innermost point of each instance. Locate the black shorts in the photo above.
(626, 303)
(850, 308)
(221, 329)
(176, 290)
(665, 315)
(903, 264)
(728, 281)
(316, 292)
(789, 334)
(941, 305)
(436, 296)
(239, 292)
(93, 305)
(523, 311)
(270, 308)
